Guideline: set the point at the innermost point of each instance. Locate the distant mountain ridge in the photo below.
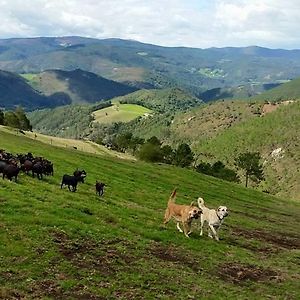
(195, 70)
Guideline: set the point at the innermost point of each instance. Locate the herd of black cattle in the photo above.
(11, 165)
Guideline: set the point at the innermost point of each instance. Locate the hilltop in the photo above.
(59, 244)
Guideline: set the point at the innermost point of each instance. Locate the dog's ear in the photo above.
(192, 203)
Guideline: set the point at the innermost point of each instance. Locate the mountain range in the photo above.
(146, 65)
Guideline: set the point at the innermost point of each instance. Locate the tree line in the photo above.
(16, 119)
(153, 150)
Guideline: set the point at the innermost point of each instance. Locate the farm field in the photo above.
(120, 113)
(56, 244)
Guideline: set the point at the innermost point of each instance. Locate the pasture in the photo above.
(120, 113)
(56, 244)
(80, 145)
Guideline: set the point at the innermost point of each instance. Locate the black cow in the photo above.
(11, 171)
(80, 173)
(3, 164)
(71, 181)
(27, 166)
(38, 169)
(100, 188)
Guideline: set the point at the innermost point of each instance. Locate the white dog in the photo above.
(213, 217)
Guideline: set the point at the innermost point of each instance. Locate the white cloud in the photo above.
(194, 23)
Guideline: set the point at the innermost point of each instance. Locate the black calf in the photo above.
(100, 188)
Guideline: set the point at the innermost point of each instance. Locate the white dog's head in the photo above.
(222, 212)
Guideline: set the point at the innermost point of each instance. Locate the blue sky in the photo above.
(191, 23)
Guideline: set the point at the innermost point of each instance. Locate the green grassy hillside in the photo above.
(119, 113)
(222, 130)
(164, 100)
(278, 129)
(287, 91)
(61, 245)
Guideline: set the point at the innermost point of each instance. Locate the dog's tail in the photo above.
(200, 202)
(173, 196)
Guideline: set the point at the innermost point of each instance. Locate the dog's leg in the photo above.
(201, 226)
(214, 232)
(186, 229)
(167, 217)
(178, 227)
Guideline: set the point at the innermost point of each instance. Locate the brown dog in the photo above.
(182, 214)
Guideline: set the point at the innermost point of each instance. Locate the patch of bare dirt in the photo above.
(239, 273)
(263, 251)
(278, 240)
(101, 256)
(52, 289)
(175, 255)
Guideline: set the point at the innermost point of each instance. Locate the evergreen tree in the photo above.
(11, 119)
(183, 156)
(24, 122)
(250, 163)
(150, 153)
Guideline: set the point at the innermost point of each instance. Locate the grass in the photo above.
(80, 145)
(61, 245)
(120, 113)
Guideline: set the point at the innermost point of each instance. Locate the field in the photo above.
(61, 245)
(120, 113)
(80, 145)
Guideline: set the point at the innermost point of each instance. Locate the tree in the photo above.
(24, 122)
(154, 141)
(250, 163)
(168, 154)
(1, 117)
(183, 156)
(11, 119)
(123, 141)
(151, 153)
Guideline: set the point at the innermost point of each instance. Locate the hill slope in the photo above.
(58, 244)
(287, 91)
(222, 130)
(267, 134)
(15, 91)
(79, 86)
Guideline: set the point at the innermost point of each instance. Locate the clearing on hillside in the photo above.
(120, 113)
